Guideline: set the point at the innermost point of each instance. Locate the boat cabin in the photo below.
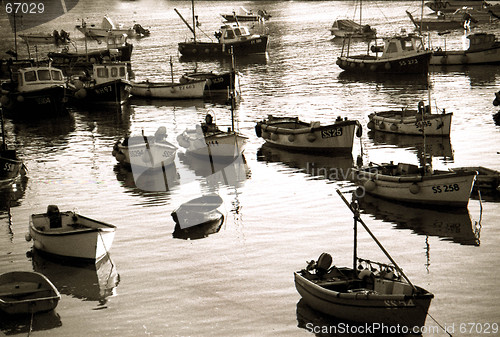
(108, 72)
(231, 32)
(401, 45)
(36, 78)
(481, 41)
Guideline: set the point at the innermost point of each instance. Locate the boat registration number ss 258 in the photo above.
(335, 132)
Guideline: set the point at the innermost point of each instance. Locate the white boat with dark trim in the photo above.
(412, 184)
(208, 141)
(401, 54)
(146, 152)
(410, 122)
(169, 90)
(369, 292)
(70, 235)
(484, 48)
(293, 134)
(27, 292)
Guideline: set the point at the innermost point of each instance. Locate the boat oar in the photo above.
(358, 219)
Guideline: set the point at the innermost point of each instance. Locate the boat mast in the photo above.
(360, 11)
(231, 88)
(355, 211)
(194, 19)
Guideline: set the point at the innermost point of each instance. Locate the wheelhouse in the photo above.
(233, 31)
(402, 46)
(103, 73)
(36, 78)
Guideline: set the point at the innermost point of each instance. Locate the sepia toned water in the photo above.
(280, 208)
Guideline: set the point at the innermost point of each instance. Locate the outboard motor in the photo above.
(54, 216)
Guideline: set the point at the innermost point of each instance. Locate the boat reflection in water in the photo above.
(455, 225)
(316, 165)
(197, 232)
(434, 146)
(217, 172)
(25, 324)
(86, 281)
(151, 183)
(322, 325)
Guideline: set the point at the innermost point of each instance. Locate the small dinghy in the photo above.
(200, 211)
(70, 235)
(147, 152)
(23, 292)
(293, 134)
(412, 122)
(369, 292)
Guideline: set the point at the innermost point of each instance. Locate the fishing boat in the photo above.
(74, 63)
(169, 90)
(46, 38)
(348, 28)
(369, 292)
(145, 152)
(216, 82)
(484, 48)
(443, 22)
(410, 122)
(24, 292)
(38, 92)
(108, 26)
(70, 235)
(261, 15)
(487, 180)
(450, 6)
(108, 84)
(231, 38)
(201, 211)
(420, 185)
(208, 141)
(293, 134)
(400, 54)
(11, 166)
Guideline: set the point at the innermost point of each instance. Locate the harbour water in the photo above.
(280, 208)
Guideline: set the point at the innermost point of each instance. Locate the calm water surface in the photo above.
(281, 208)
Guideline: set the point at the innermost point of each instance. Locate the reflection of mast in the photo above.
(427, 254)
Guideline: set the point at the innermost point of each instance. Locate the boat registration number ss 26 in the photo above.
(335, 132)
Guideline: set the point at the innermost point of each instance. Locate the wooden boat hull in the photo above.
(48, 102)
(77, 238)
(416, 64)
(10, 166)
(75, 63)
(26, 293)
(169, 90)
(488, 56)
(220, 82)
(391, 309)
(448, 6)
(450, 188)
(113, 92)
(252, 45)
(412, 124)
(136, 153)
(292, 134)
(351, 29)
(224, 145)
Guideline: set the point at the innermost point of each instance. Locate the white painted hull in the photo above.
(220, 145)
(150, 156)
(295, 135)
(444, 188)
(491, 55)
(394, 122)
(168, 90)
(389, 309)
(91, 241)
(105, 32)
